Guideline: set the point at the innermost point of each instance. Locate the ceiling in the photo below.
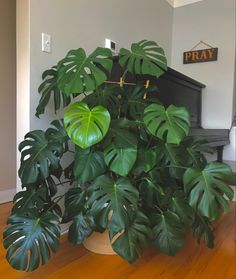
(179, 3)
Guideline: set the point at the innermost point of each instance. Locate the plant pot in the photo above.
(99, 243)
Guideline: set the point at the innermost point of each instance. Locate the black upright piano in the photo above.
(181, 90)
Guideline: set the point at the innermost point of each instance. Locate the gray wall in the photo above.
(83, 23)
(8, 94)
(212, 21)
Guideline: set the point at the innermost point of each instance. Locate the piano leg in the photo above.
(220, 153)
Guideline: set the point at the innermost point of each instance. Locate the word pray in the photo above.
(198, 56)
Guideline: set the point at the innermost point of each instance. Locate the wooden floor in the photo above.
(192, 261)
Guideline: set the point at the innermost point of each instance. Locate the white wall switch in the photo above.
(111, 45)
(46, 43)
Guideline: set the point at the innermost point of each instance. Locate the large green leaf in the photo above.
(119, 197)
(31, 239)
(106, 96)
(39, 155)
(170, 157)
(195, 148)
(137, 236)
(168, 233)
(146, 160)
(49, 87)
(133, 102)
(86, 127)
(81, 228)
(120, 160)
(31, 198)
(179, 205)
(78, 73)
(74, 203)
(201, 227)
(88, 164)
(58, 133)
(171, 124)
(145, 57)
(207, 187)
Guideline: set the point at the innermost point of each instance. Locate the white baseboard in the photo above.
(7, 195)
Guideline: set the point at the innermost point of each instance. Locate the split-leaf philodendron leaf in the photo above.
(86, 127)
(170, 125)
(30, 239)
(78, 73)
(207, 188)
(145, 57)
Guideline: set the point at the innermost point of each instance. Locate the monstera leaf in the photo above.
(202, 229)
(179, 205)
(31, 198)
(39, 155)
(168, 233)
(147, 159)
(81, 228)
(86, 127)
(195, 147)
(207, 187)
(145, 57)
(30, 239)
(171, 124)
(119, 197)
(137, 236)
(74, 203)
(78, 73)
(120, 160)
(49, 87)
(133, 102)
(106, 96)
(88, 164)
(171, 156)
(58, 133)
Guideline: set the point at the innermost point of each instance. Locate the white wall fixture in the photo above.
(179, 3)
(111, 45)
(46, 43)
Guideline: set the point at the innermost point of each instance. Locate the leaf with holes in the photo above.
(88, 164)
(47, 89)
(74, 203)
(58, 133)
(86, 127)
(207, 187)
(81, 228)
(78, 73)
(171, 124)
(145, 57)
(168, 233)
(135, 238)
(31, 198)
(120, 160)
(39, 156)
(119, 197)
(30, 239)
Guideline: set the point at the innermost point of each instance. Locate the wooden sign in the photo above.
(203, 55)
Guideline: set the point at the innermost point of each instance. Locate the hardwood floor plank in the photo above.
(192, 262)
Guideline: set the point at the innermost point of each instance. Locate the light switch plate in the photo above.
(111, 45)
(46, 43)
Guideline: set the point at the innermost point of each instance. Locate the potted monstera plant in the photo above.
(132, 170)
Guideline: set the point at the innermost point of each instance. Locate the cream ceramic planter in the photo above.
(99, 243)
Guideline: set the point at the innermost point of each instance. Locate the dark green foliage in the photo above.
(168, 232)
(73, 74)
(31, 239)
(38, 155)
(81, 228)
(130, 166)
(206, 189)
(49, 87)
(135, 238)
(145, 57)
